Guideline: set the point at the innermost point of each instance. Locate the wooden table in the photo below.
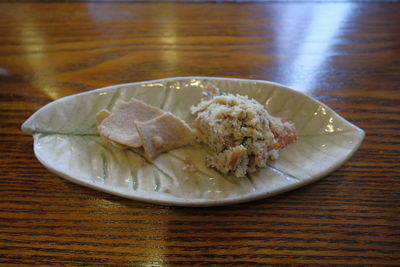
(346, 55)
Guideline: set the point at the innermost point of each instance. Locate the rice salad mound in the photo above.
(241, 132)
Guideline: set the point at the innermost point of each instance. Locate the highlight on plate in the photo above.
(239, 130)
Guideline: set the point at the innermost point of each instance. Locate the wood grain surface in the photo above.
(346, 55)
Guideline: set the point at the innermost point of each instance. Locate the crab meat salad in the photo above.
(241, 132)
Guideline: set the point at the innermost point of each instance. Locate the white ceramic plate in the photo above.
(67, 143)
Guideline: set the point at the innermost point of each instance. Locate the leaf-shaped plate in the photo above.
(66, 142)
